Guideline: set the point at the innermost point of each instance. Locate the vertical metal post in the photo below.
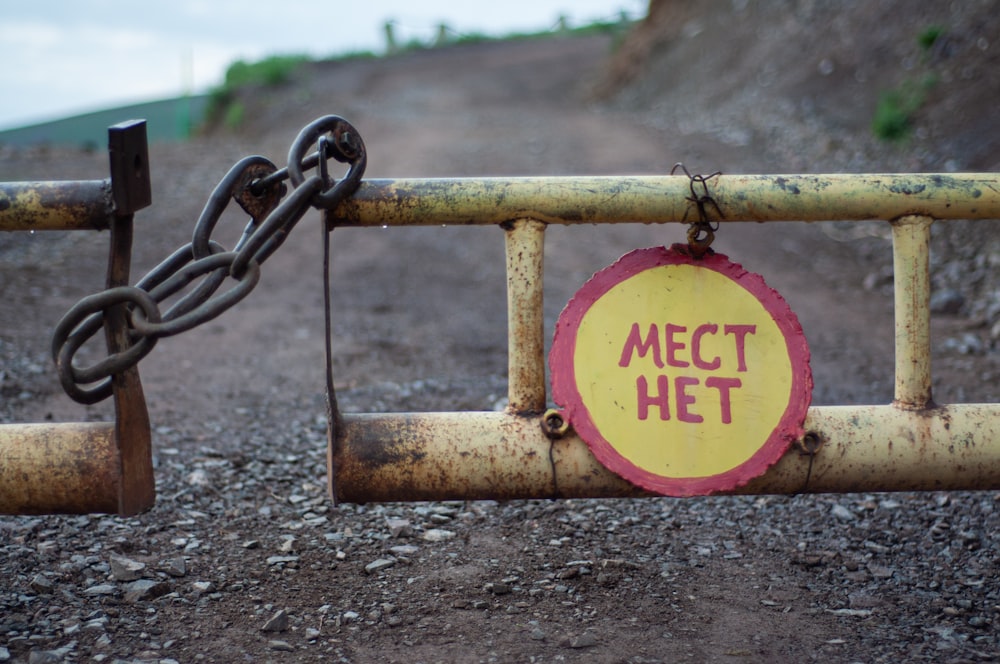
(911, 237)
(130, 189)
(525, 320)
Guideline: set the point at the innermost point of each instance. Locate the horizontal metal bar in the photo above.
(501, 455)
(56, 206)
(658, 199)
(68, 468)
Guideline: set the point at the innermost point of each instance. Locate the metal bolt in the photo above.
(554, 424)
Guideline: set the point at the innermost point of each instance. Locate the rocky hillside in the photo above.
(833, 86)
(845, 84)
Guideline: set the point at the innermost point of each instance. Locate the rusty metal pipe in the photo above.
(658, 199)
(525, 324)
(71, 205)
(890, 448)
(475, 456)
(911, 241)
(86, 467)
(59, 468)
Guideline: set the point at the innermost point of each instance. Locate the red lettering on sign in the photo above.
(673, 345)
(646, 400)
(635, 342)
(699, 361)
(725, 403)
(684, 400)
(740, 332)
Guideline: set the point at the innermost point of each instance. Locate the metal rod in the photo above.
(911, 238)
(657, 199)
(56, 206)
(476, 456)
(525, 323)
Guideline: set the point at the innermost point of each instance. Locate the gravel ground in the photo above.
(245, 559)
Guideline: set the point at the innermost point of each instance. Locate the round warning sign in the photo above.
(686, 376)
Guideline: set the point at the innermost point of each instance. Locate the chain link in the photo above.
(701, 233)
(203, 265)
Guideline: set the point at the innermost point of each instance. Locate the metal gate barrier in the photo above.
(528, 450)
(81, 467)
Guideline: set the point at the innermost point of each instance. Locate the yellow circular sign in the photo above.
(684, 375)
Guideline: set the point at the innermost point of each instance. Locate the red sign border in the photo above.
(566, 394)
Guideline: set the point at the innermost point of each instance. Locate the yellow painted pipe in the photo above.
(56, 206)
(474, 456)
(525, 241)
(657, 199)
(59, 468)
(911, 240)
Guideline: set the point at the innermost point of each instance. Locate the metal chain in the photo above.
(203, 265)
(702, 232)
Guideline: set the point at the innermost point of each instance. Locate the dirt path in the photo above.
(420, 325)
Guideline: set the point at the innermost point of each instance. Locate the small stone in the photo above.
(100, 589)
(585, 640)
(176, 567)
(44, 657)
(380, 564)
(399, 527)
(277, 623)
(145, 589)
(404, 550)
(287, 545)
(350, 616)
(281, 646)
(96, 625)
(881, 572)
(251, 544)
(498, 588)
(438, 535)
(275, 560)
(202, 587)
(126, 569)
(4, 654)
(966, 344)
(56, 656)
(947, 302)
(198, 477)
(312, 633)
(842, 513)
(537, 635)
(41, 585)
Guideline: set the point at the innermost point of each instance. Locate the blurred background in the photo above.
(65, 58)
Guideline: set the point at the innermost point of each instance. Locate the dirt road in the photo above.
(243, 531)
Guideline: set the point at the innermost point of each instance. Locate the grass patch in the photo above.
(268, 73)
(894, 112)
(929, 36)
(896, 108)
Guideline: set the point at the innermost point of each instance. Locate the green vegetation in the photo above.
(268, 73)
(929, 36)
(896, 108)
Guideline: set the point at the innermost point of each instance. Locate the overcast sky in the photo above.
(62, 57)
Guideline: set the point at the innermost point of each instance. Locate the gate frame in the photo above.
(530, 451)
